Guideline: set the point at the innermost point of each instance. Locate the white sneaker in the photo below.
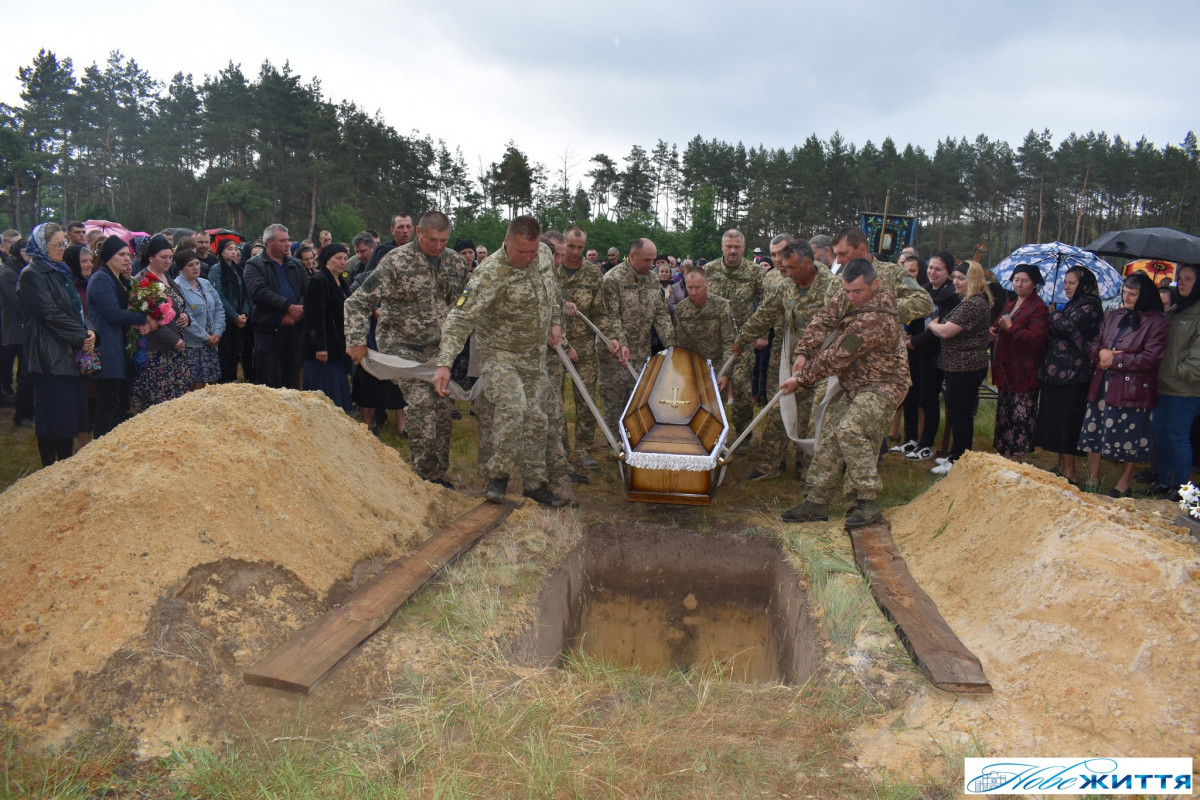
(921, 454)
(904, 449)
(942, 469)
(940, 460)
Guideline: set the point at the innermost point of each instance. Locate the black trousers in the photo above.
(277, 357)
(923, 396)
(25, 393)
(112, 404)
(962, 401)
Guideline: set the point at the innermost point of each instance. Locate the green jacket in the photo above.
(1179, 371)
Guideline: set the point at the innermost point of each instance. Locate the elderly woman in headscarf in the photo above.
(326, 365)
(56, 331)
(165, 374)
(1124, 388)
(207, 320)
(79, 260)
(1066, 369)
(1019, 338)
(108, 308)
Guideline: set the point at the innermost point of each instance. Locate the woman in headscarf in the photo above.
(1178, 387)
(165, 375)
(79, 260)
(1124, 389)
(108, 308)
(207, 316)
(1066, 369)
(237, 343)
(1019, 340)
(963, 357)
(326, 365)
(56, 329)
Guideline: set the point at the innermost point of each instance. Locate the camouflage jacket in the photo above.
(510, 309)
(742, 286)
(413, 297)
(581, 287)
(912, 301)
(708, 329)
(863, 347)
(632, 303)
(786, 303)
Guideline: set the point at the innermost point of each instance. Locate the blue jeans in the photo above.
(1173, 438)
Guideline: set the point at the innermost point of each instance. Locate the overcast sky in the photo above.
(560, 77)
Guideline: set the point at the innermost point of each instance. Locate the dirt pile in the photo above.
(196, 535)
(1085, 614)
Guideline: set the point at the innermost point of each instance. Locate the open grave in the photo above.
(656, 598)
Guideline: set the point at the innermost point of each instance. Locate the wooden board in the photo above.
(314, 651)
(934, 648)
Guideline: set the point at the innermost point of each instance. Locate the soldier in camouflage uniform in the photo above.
(866, 352)
(414, 286)
(791, 303)
(580, 282)
(558, 469)
(704, 323)
(633, 302)
(912, 301)
(512, 304)
(740, 281)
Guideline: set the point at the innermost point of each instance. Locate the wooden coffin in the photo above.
(673, 430)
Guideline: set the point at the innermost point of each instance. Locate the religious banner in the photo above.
(887, 239)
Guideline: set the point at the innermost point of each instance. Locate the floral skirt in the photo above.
(1016, 423)
(204, 364)
(165, 377)
(1117, 434)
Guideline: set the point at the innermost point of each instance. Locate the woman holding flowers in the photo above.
(56, 331)
(108, 306)
(159, 358)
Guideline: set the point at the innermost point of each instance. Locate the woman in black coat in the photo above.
(326, 365)
(927, 380)
(1066, 369)
(108, 308)
(55, 329)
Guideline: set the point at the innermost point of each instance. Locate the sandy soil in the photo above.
(142, 574)
(1085, 613)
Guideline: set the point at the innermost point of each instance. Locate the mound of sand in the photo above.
(1084, 612)
(250, 502)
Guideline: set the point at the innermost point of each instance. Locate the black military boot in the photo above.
(543, 496)
(494, 491)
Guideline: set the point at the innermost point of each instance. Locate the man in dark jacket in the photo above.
(276, 282)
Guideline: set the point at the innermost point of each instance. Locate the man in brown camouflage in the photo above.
(740, 281)
(856, 337)
(414, 286)
(633, 302)
(580, 282)
(912, 301)
(704, 323)
(513, 305)
(790, 304)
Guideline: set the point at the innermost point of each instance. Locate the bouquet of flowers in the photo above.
(148, 296)
(1189, 500)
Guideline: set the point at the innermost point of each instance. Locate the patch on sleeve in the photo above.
(371, 282)
(852, 342)
(462, 298)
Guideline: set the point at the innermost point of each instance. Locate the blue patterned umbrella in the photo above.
(1054, 259)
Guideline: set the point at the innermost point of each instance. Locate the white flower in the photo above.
(1188, 493)
(1194, 511)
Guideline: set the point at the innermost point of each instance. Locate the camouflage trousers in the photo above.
(850, 434)
(616, 384)
(512, 422)
(556, 419)
(588, 367)
(775, 444)
(741, 379)
(428, 428)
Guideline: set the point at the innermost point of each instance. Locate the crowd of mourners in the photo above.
(1073, 379)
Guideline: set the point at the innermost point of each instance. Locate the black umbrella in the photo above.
(1165, 244)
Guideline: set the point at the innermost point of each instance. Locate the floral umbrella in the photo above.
(1054, 259)
(1156, 270)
